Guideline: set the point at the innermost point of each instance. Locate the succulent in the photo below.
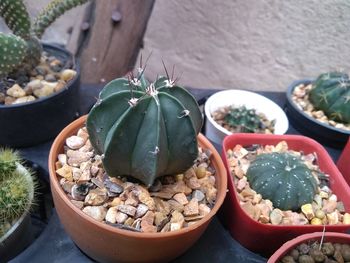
(243, 119)
(16, 189)
(283, 178)
(8, 162)
(22, 49)
(145, 130)
(331, 93)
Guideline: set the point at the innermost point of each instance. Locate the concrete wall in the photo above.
(248, 44)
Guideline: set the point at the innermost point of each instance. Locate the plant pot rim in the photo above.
(289, 93)
(216, 96)
(75, 66)
(68, 131)
(302, 238)
(318, 149)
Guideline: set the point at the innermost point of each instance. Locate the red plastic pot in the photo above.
(262, 238)
(344, 162)
(317, 236)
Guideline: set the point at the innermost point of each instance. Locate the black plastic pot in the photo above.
(38, 121)
(324, 133)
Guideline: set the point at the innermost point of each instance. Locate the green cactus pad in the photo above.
(282, 178)
(143, 131)
(13, 50)
(55, 9)
(331, 94)
(16, 17)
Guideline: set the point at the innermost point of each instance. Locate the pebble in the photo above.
(197, 194)
(176, 201)
(181, 198)
(16, 91)
(75, 142)
(127, 209)
(24, 99)
(141, 210)
(68, 74)
(96, 212)
(111, 215)
(45, 91)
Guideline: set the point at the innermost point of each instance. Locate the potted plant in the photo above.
(320, 108)
(235, 111)
(16, 198)
(39, 86)
(314, 247)
(281, 186)
(137, 177)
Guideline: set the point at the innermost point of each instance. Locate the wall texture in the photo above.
(248, 44)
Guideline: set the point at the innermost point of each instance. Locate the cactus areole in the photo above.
(331, 94)
(283, 179)
(145, 130)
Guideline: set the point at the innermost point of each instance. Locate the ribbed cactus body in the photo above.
(331, 94)
(243, 119)
(147, 132)
(283, 179)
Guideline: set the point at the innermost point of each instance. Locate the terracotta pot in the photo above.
(246, 230)
(328, 237)
(109, 244)
(343, 163)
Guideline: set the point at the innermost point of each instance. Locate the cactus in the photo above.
(282, 178)
(243, 119)
(8, 162)
(145, 130)
(22, 49)
(331, 94)
(16, 189)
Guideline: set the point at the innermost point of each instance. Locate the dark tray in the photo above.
(215, 245)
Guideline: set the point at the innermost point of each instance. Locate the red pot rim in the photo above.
(286, 247)
(319, 149)
(220, 174)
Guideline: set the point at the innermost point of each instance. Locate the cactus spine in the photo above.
(331, 94)
(16, 189)
(282, 178)
(23, 48)
(145, 130)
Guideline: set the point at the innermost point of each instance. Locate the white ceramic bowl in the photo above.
(216, 133)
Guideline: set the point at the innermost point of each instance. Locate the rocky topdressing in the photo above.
(171, 203)
(48, 77)
(313, 251)
(240, 119)
(324, 209)
(300, 97)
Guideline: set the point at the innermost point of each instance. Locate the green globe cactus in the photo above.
(16, 189)
(145, 130)
(331, 93)
(282, 178)
(22, 49)
(243, 119)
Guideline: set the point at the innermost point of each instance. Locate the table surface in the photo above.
(215, 245)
